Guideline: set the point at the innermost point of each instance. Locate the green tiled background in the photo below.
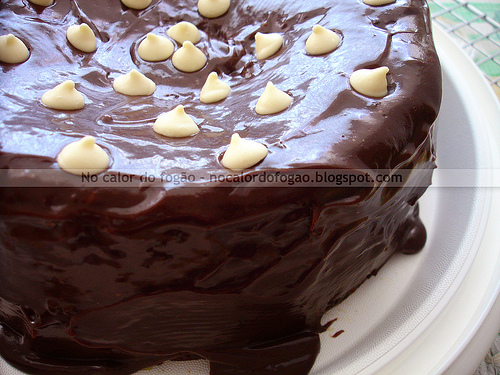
(475, 26)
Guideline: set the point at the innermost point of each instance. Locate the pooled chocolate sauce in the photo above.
(110, 280)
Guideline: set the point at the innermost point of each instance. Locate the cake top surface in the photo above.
(327, 123)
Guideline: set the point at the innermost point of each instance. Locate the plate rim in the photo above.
(459, 349)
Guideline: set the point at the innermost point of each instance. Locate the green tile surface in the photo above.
(475, 26)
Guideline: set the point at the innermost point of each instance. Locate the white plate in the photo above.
(435, 312)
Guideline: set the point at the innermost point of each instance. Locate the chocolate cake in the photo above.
(175, 247)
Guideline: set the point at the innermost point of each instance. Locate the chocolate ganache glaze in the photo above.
(112, 279)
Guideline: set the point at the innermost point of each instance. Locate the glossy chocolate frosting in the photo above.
(109, 280)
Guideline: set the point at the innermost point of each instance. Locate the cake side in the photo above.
(236, 274)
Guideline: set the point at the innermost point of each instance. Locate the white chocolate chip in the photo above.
(137, 4)
(175, 123)
(134, 83)
(189, 58)
(82, 37)
(155, 48)
(213, 8)
(243, 153)
(214, 89)
(83, 156)
(272, 100)
(64, 96)
(184, 31)
(321, 41)
(378, 2)
(44, 3)
(267, 45)
(370, 82)
(13, 50)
